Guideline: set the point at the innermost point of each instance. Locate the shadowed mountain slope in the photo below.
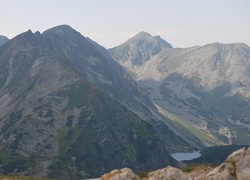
(3, 39)
(62, 114)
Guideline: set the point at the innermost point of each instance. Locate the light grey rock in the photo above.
(123, 174)
(167, 173)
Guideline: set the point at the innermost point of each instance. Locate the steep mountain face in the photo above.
(62, 114)
(105, 73)
(202, 87)
(3, 39)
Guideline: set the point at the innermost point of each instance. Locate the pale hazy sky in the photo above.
(183, 23)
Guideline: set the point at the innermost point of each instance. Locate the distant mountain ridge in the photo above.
(207, 87)
(3, 39)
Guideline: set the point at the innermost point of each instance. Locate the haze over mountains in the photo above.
(71, 109)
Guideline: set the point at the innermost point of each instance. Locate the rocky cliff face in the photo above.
(236, 167)
(65, 110)
(201, 89)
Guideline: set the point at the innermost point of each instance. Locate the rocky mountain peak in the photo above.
(143, 38)
(61, 30)
(24, 41)
(139, 49)
(63, 38)
(62, 33)
(142, 34)
(26, 34)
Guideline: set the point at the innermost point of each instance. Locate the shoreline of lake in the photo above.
(184, 156)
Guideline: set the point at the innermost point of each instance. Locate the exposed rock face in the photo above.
(167, 173)
(122, 174)
(236, 167)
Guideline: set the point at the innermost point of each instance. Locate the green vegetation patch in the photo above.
(66, 137)
(192, 167)
(78, 93)
(189, 133)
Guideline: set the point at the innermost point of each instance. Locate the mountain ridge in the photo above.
(205, 86)
(61, 106)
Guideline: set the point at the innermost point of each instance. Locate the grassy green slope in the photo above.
(194, 136)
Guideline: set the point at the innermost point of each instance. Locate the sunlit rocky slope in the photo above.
(205, 87)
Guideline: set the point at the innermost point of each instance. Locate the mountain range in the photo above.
(71, 109)
(206, 87)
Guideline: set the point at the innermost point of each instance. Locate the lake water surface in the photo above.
(186, 156)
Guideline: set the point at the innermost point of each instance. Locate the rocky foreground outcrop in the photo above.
(235, 167)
